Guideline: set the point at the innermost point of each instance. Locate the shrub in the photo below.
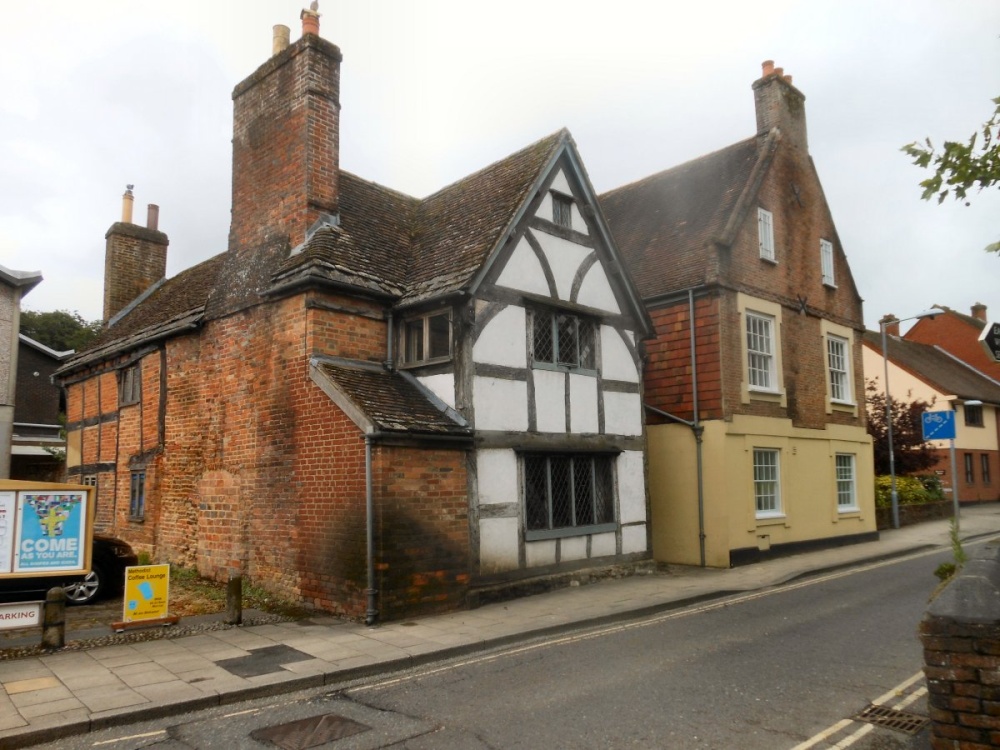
(911, 490)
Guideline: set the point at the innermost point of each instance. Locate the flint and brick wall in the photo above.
(961, 638)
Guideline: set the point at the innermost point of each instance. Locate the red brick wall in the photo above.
(668, 383)
(955, 335)
(978, 490)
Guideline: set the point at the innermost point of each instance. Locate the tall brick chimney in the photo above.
(979, 311)
(135, 257)
(891, 324)
(286, 141)
(780, 105)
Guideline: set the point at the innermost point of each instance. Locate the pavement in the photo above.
(83, 689)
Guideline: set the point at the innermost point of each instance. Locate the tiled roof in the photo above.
(390, 400)
(938, 368)
(664, 223)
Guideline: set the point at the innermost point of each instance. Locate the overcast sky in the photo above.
(98, 94)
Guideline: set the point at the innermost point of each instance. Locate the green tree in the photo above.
(910, 451)
(959, 167)
(59, 330)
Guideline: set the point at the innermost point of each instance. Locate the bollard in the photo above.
(234, 600)
(54, 619)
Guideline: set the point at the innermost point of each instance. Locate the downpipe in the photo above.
(371, 615)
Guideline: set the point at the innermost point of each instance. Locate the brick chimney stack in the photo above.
(891, 324)
(286, 142)
(135, 257)
(979, 311)
(780, 105)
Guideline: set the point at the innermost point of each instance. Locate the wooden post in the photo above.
(54, 619)
(234, 600)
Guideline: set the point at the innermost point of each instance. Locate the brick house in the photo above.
(932, 374)
(371, 403)
(958, 334)
(756, 424)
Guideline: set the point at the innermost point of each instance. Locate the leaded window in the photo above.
(766, 482)
(563, 340)
(137, 495)
(571, 492)
(129, 385)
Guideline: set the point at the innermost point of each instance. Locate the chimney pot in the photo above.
(310, 19)
(979, 311)
(788, 79)
(780, 72)
(152, 216)
(767, 67)
(127, 200)
(280, 38)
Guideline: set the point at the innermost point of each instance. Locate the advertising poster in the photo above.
(7, 531)
(51, 531)
(147, 590)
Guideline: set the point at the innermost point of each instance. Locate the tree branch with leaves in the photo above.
(960, 167)
(912, 454)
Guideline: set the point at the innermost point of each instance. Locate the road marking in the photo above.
(130, 737)
(882, 700)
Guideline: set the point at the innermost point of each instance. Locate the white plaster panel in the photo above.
(442, 386)
(616, 360)
(523, 270)
(564, 258)
(634, 539)
(550, 401)
(502, 341)
(500, 404)
(622, 413)
(577, 221)
(560, 184)
(603, 545)
(540, 553)
(498, 539)
(583, 404)
(573, 548)
(595, 291)
(631, 488)
(496, 470)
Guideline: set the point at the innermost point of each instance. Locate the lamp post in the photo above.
(883, 324)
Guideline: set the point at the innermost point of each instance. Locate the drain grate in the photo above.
(893, 718)
(311, 732)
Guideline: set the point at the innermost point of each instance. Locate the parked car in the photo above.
(109, 558)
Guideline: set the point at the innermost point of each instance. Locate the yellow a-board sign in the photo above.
(147, 592)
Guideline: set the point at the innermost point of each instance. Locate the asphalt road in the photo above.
(764, 671)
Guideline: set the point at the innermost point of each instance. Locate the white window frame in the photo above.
(838, 369)
(765, 234)
(760, 341)
(826, 262)
(847, 482)
(767, 482)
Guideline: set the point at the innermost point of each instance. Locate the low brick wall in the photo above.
(911, 514)
(960, 633)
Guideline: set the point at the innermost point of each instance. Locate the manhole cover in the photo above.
(311, 732)
(892, 718)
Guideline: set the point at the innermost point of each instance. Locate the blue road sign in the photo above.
(938, 425)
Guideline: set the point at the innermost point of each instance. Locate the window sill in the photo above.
(540, 534)
(846, 512)
(843, 405)
(765, 395)
(423, 362)
(770, 519)
(137, 519)
(772, 261)
(829, 285)
(563, 368)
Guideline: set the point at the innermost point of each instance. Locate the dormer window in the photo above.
(562, 210)
(562, 341)
(427, 338)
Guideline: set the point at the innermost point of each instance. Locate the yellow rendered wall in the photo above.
(808, 487)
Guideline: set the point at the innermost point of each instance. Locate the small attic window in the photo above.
(426, 338)
(562, 210)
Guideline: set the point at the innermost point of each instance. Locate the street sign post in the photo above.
(990, 339)
(940, 425)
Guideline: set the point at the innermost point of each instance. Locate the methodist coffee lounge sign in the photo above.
(44, 529)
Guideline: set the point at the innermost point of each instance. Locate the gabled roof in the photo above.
(384, 244)
(47, 351)
(942, 371)
(383, 401)
(685, 209)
